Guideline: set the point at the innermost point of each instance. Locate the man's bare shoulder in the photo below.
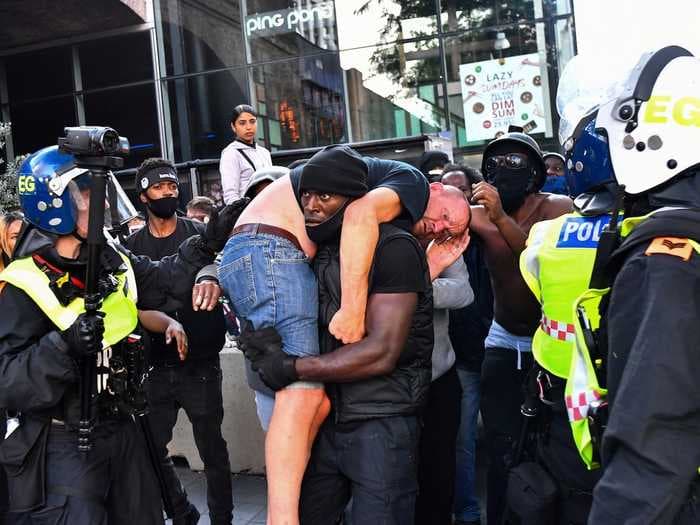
(552, 205)
(277, 200)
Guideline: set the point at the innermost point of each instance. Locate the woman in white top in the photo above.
(242, 157)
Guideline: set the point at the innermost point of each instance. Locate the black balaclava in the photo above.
(339, 170)
(513, 185)
(167, 206)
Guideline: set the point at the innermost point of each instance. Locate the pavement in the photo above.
(249, 495)
(250, 491)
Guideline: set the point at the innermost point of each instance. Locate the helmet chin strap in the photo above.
(78, 236)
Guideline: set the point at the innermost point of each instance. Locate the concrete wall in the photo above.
(241, 428)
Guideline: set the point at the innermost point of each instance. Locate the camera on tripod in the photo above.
(93, 141)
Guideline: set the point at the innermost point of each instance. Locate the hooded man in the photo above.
(367, 449)
(511, 203)
(268, 256)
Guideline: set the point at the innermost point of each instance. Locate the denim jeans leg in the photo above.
(466, 506)
(270, 283)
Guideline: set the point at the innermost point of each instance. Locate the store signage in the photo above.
(288, 20)
(502, 92)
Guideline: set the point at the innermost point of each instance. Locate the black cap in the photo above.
(148, 177)
(336, 169)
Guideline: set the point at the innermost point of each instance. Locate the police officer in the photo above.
(557, 266)
(651, 447)
(45, 332)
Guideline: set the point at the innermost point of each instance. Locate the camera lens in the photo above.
(109, 142)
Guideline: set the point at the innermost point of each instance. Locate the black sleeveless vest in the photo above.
(403, 391)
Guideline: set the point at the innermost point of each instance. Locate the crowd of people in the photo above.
(381, 307)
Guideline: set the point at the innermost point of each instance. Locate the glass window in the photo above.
(200, 112)
(304, 101)
(36, 125)
(497, 78)
(287, 28)
(40, 74)
(132, 112)
(202, 35)
(394, 90)
(118, 60)
(467, 14)
(369, 22)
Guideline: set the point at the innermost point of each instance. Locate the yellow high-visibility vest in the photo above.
(119, 307)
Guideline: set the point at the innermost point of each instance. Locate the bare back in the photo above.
(515, 308)
(277, 206)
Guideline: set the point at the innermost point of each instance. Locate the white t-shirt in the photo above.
(236, 170)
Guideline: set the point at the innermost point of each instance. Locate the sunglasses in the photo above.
(511, 161)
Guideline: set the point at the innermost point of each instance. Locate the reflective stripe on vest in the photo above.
(557, 265)
(582, 384)
(119, 307)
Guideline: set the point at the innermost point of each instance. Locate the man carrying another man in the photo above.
(271, 244)
(367, 449)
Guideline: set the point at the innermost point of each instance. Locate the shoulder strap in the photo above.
(246, 157)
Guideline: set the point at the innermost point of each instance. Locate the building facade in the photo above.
(167, 73)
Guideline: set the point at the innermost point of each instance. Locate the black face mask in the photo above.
(328, 229)
(512, 186)
(163, 208)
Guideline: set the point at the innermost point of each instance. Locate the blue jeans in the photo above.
(269, 282)
(466, 505)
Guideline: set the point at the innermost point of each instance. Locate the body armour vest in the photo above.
(557, 266)
(402, 392)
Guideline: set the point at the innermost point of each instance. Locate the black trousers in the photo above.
(112, 484)
(437, 459)
(501, 397)
(194, 386)
(373, 461)
(557, 451)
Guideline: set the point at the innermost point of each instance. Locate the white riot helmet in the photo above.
(653, 120)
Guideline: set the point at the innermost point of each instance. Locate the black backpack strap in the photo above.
(246, 157)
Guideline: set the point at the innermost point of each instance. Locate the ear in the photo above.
(233, 128)
(142, 197)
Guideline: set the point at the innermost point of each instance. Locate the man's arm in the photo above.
(35, 368)
(388, 322)
(358, 241)
(451, 289)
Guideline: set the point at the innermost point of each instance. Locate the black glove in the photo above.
(264, 350)
(221, 224)
(84, 336)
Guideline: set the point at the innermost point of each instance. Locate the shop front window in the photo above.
(132, 112)
(200, 112)
(201, 35)
(394, 90)
(277, 29)
(303, 102)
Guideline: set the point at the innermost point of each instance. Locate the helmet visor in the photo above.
(118, 209)
(583, 87)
